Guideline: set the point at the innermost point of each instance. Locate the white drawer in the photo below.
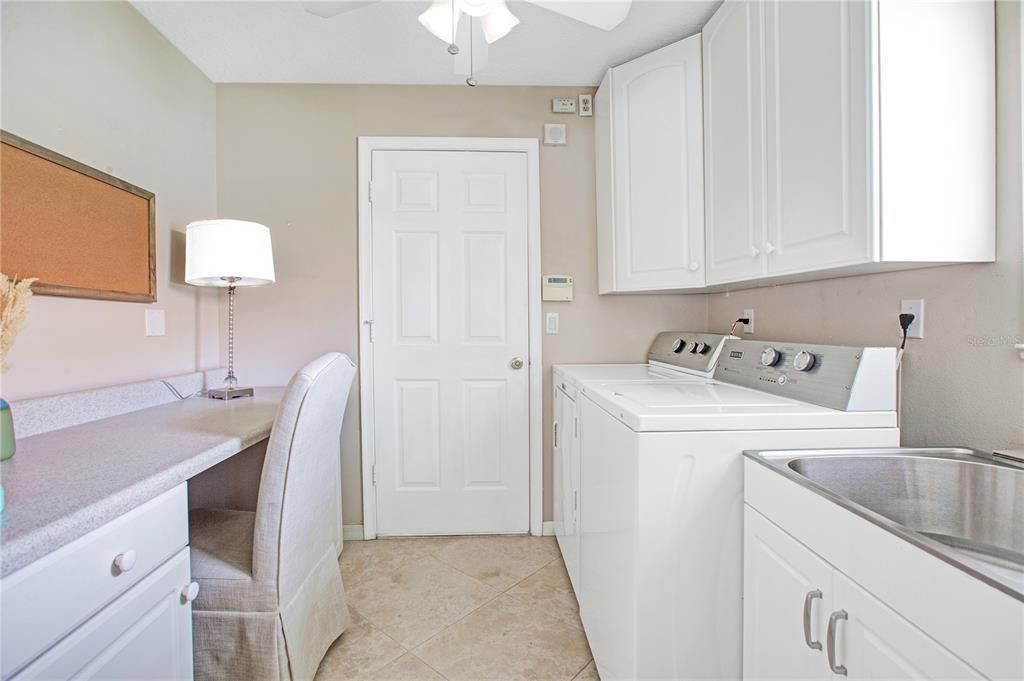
(48, 598)
(144, 635)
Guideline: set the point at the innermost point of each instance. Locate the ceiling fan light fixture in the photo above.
(438, 19)
(498, 22)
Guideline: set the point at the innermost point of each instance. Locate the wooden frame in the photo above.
(59, 289)
(531, 148)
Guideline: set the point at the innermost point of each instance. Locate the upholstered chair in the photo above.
(271, 600)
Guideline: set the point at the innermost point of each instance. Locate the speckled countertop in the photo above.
(63, 484)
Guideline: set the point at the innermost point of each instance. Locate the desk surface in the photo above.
(63, 484)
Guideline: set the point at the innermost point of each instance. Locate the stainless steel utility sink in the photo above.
(965, 506)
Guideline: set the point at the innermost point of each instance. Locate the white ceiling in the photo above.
(279, 42)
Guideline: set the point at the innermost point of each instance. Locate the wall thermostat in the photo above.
(563, 105)
(557, 287)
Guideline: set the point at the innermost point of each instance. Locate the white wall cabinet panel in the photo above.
(787, 600)
(847, 137)
(650, 112)
(733, 134)
(818, 134)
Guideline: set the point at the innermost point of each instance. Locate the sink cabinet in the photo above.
(899, 612)
(790, 594)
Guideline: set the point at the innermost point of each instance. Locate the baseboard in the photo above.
(548, 528)
(352, 532)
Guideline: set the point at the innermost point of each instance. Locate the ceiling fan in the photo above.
(486, 21)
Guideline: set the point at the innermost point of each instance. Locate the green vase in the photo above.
(6, 431)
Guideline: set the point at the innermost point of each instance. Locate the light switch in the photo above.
(551, 323)
(155, 322)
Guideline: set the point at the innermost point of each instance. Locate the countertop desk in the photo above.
(63, 484)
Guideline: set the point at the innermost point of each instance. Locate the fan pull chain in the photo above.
(471, 81)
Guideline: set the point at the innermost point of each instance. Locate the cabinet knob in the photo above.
(754, 252)
(189, 592)
(125, 561)
(768, 247)
(694, 266)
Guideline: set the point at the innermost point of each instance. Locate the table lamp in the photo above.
(229, 253)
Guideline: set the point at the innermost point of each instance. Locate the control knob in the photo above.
(804, 361)
(701, 349)
(770, 357)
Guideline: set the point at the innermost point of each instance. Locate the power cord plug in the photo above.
(742, 320)
(906, 319)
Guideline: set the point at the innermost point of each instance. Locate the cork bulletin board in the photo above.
(82, 232)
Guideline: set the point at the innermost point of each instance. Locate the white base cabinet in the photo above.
(650, 172)
(828, 594)
(847, 137)
(145, 635)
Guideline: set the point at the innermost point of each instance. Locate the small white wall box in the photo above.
(557, 288)
(563, 105)
(554, 133)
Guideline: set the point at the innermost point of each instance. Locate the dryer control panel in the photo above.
(835, 376)
(694, 351)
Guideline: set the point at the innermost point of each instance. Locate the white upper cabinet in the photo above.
(733, 143)
(650, 172)
(848, 137)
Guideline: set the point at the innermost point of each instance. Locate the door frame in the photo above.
(530, 147)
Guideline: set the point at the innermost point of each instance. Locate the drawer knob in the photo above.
(189, 592)
(125, 561)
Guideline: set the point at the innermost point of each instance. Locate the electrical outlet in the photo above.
(749, 314)
(916, 308)
(586, 105)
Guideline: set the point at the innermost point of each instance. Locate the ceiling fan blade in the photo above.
(606, 14)
(479, 48)
(326, 9)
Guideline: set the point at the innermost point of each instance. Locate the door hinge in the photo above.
(369, 191)
(373, 475)
(369, 329)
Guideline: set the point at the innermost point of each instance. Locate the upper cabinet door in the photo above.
(658, 170)
(818, 142)
(733, 136)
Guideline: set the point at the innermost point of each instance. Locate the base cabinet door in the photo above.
(787, 597)
(872, 641)
(144, 635)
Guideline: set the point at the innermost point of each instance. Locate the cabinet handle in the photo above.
(831, 638)
(556, 435)
(189, 592)
(754, 252)
(808, 602)
(694, 266)
(125, 561)
(768, 248)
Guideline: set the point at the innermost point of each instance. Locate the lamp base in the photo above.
(228, 393)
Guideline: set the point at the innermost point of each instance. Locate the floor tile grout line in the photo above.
(429, 666)
(580, 670)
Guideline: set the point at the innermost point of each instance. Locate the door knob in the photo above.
(516, 363)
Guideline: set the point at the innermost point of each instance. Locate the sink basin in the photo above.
(963, 505)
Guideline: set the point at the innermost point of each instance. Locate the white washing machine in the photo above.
(673, 356)
(661, 493)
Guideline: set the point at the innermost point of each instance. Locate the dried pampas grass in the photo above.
(14, 297)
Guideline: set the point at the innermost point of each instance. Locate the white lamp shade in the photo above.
(438, 19)
(228, 253)
(498, 22)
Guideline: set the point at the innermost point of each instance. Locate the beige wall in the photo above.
(287, 157)
(96, 82)
(963, 383)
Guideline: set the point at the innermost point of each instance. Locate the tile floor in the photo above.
(459, 608)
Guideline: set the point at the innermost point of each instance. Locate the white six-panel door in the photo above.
(450, 328)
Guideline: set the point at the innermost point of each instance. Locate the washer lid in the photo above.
(687, 406)
(585, 373)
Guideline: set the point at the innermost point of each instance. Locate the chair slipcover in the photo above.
(271, 600)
